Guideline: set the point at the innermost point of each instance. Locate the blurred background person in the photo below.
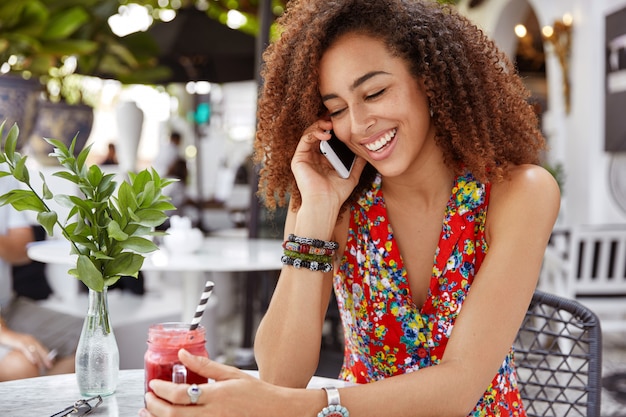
(33, 340)
(168, 154)
(111, 157)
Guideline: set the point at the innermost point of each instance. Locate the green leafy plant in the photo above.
(108, 227)
(38, 37)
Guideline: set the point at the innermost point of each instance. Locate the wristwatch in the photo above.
(334, 407)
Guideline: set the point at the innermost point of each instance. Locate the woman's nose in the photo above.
(361, 120)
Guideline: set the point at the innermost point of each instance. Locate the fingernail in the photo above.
(144, 413)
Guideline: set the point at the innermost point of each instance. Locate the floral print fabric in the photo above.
(385, 333)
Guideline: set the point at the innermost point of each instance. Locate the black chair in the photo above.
(558, 355)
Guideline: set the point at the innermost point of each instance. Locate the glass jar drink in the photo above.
(161, 358)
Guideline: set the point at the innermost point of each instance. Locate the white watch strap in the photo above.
(332, 394)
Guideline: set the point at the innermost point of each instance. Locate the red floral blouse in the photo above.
(385, 333)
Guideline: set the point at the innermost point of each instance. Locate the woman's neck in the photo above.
(423, 186)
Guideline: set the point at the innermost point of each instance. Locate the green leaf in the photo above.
(59, 147)
(26, 17)
(22, 200)
(86, 244)
(69, 47)
(66, 175)
(82, 156)
(11, 142)
(84, 205)
(88, 273)
(126, 198)
(112, 280)
(62, 25)
(148, 195)
(47, 194)
(140, 180)
(126, 263)
(102, 256)
(107, 185)
(63, 200)
(139, 244)
(47, 219)
(163, 205)
(115, 232)
(20, 172)
(150, 217)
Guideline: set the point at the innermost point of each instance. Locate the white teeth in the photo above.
(380, 143)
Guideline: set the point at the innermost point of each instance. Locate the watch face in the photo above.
(617, 179)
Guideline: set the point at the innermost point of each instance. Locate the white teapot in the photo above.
(181, 237)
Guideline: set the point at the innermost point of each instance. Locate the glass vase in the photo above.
(97, 354)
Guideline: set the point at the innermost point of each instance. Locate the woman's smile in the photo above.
(381, 142)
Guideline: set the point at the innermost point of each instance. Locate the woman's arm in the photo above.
(287, 343)
(13, 244)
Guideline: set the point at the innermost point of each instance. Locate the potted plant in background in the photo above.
(109, 230)
(45, 48)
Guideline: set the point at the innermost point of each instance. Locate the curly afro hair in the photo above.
(484, 122)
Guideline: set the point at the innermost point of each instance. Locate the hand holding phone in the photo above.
(338, 154)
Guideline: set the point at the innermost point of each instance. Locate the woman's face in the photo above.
(377, 107)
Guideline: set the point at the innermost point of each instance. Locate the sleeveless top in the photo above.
(385, 333)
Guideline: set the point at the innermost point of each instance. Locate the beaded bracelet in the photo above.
(308, 257)
(310, 265)
(318, 243)
(308, 249)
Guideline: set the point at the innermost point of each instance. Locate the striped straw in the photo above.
(208, 289)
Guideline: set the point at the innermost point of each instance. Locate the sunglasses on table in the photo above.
(80, 408)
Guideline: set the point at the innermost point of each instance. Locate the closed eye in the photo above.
(336, 113)
(375, 95)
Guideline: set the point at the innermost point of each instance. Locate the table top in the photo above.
(44, 396)
(218, 254)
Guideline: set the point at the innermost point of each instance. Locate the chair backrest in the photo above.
(597, 260)
(558, 355)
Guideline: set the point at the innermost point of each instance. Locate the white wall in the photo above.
(577, 138)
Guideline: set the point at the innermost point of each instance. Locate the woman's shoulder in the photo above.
(527, 179)
(528, 190)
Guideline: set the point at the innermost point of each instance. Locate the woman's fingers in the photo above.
(145, 413)
(35, 353)
(310, 140)
(208, 368)
(163, 406)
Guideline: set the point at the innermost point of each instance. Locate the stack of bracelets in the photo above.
(312, 254)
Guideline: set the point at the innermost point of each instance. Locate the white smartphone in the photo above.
(338, 154)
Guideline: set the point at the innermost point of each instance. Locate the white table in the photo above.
(44, 396)
(217, 254)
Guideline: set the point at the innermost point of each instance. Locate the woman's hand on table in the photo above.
(234, 392)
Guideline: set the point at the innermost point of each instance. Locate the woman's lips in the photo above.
(381, 142)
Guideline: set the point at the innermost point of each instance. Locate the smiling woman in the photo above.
(425, 244)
